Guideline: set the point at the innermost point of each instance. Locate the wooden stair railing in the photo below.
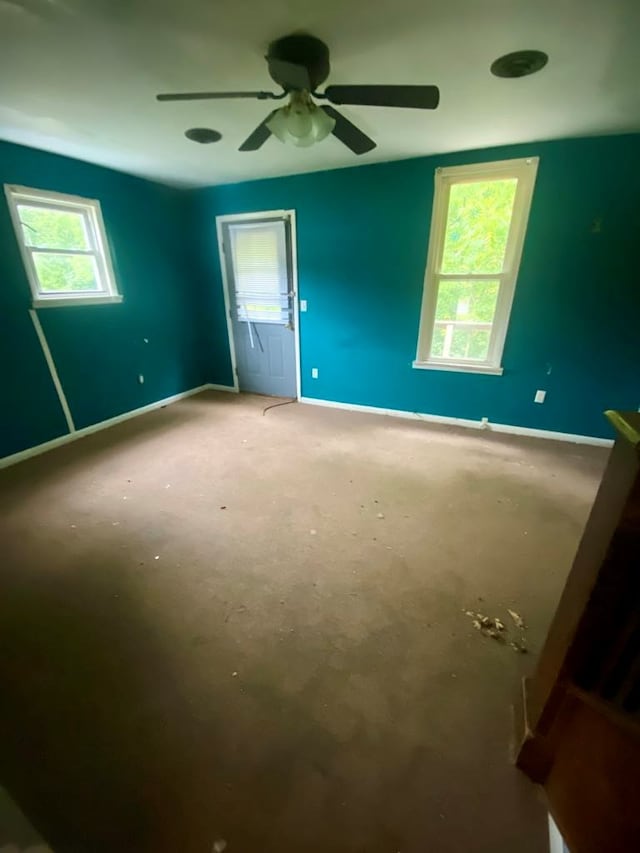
(580, 723)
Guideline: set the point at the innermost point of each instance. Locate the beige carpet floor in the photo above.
(219, 625)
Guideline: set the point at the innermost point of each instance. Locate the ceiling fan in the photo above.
(299, 63)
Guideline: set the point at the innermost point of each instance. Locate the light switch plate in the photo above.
(540, 395)
(303, 304)
(314, 372)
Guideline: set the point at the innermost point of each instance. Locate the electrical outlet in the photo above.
(314, 372)
(303, 304)
(540, 395)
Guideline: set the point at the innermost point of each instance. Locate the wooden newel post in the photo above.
(580, 721)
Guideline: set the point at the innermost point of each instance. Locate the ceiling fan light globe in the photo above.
(323, 124)
(302, 141)
(300, 123)
(277, 124)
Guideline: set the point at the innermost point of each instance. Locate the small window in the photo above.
(259, 255)
(478, 226)
(64, 248)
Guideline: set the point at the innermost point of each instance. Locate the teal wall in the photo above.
(362, 244)
(99, 350)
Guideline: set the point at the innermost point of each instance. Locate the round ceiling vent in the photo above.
(203, 135)
(519, 64)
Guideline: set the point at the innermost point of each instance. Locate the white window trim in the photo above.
(90, 209)
(525, 170)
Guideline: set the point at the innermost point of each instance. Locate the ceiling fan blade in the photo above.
(416, 97)
(259, 136)
(349, 134)
(205, 96)
(289, 75)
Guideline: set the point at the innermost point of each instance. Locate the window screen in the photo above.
(259, 256)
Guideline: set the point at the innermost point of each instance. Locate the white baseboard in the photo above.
(210, 386)
(572, 438)
(81, 433)
(6, 461)
(464, 422)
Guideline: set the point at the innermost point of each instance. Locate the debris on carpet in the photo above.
(494, 628)
(519, 621)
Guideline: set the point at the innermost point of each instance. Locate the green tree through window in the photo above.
(55, 229)
(480, 213)
(477, 231)
(478, 223)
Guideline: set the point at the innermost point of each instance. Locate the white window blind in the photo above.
(259, 257)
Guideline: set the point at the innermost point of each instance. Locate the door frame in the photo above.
(260, 214)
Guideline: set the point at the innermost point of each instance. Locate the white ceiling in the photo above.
(79, 77)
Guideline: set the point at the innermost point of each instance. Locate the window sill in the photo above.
(58, 302)
(459, 367)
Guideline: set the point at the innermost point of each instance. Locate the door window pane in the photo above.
(260, 272)
(478, 221)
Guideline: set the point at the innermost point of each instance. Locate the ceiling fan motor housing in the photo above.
(299, 49)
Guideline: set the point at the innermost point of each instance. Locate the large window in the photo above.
(64, 247)
(478, 225)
